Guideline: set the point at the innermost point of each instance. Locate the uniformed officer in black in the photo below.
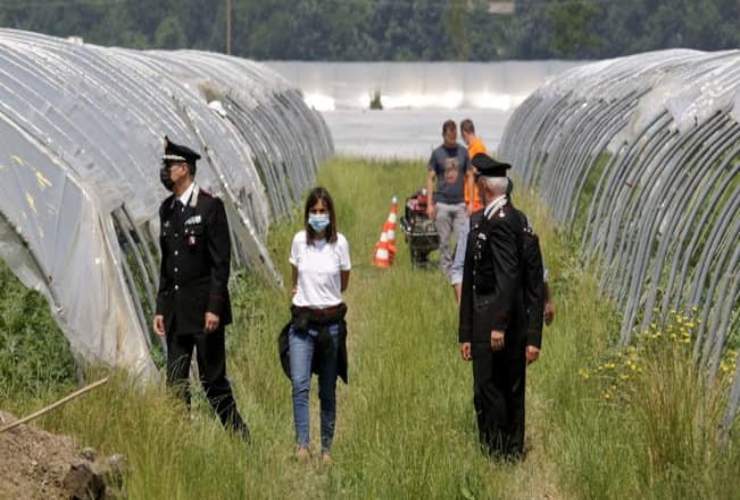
(492, 316)
(193, 304)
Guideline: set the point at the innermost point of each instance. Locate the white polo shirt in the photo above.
(319, 266)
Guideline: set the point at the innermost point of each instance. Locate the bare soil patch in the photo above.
(36, 464)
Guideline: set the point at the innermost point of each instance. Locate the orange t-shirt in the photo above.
(476, 146)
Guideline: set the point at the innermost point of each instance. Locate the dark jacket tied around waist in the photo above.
(304, 318)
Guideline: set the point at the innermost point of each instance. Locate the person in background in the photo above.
(193, 306)
(447, 168)
(320, 261)
(472, 202)
(549, 313)
(475, 145)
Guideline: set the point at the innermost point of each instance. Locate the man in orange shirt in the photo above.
(475, 146)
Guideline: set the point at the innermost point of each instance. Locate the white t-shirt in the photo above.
(319, 266)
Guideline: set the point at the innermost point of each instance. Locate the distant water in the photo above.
(417, 98)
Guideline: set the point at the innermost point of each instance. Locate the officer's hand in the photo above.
(465, 351)
(159, 325)
(431, 211)
(211, 322)
(533, 353)
(549, 312)
(497, 340)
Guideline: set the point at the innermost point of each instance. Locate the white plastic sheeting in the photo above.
(417, 97)
(500, 85)
(659, 137)
(81, 130)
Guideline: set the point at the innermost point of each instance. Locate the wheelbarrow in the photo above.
(418, 229)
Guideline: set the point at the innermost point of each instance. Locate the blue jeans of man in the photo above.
(303, 344)
(450, 222)
(458, 262)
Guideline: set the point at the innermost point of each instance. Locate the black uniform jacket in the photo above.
(196, 259)
(533, 282)
(492, 294)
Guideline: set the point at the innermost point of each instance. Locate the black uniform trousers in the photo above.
(498, 396)
(211, 358)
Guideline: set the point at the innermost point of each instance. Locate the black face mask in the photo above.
(164, 177)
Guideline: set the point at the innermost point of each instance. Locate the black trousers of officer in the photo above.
(211, 357)
(498, 395)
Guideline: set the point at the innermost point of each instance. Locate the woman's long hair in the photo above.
(320, 194)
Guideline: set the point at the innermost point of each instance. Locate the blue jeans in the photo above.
(302, 344)
(449, 221)
(458, 263)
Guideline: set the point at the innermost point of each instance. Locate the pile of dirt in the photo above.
(37, 464)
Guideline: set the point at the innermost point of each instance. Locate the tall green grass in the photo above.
(35, 359)
(405, 425)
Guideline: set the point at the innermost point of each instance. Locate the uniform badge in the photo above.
(195, 219)
(191, 240)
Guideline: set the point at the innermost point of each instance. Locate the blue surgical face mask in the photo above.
(318, 222)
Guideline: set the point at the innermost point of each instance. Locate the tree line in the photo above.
(390, 30)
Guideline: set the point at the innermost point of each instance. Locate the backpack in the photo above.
(533, 283)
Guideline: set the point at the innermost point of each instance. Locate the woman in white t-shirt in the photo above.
(320, 259)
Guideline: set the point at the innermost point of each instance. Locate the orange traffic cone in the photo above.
(390, 226)
(385, 249)
(383, 257)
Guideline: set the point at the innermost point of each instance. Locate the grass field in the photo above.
(405, 426)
